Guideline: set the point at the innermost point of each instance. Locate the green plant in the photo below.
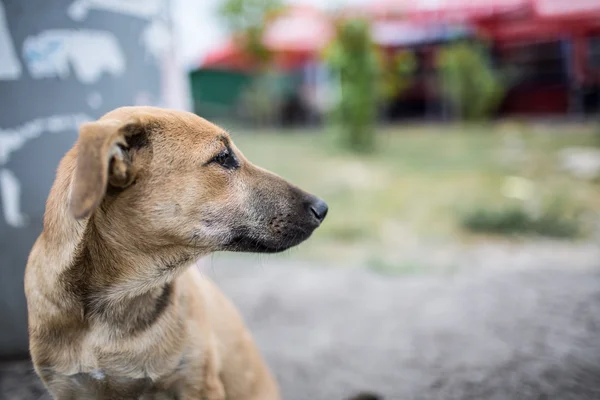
(473, 88)
(397, 72)
(554, 220)
(353, 59)
(246, 20)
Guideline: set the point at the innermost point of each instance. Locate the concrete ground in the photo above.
(491, 334)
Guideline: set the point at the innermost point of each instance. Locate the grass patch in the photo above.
(387, 268)
(515, 219)
(407, 267)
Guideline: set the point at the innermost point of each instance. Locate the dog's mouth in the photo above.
(245, 242)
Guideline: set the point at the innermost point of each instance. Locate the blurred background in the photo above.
(457, 143)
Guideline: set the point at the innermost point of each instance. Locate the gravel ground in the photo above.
(493, 334)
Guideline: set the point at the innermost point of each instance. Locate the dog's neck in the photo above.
(118, 284)
(110, 278)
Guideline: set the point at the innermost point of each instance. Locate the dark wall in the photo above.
(61, 62)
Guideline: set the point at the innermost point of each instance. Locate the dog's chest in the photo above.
(98, 386)
(117, 370)
(103, 357)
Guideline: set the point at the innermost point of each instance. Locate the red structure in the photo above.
(555, 38)
(554, 44)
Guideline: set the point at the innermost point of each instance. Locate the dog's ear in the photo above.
(102, 158)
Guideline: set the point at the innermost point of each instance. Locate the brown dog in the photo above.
(114, 310)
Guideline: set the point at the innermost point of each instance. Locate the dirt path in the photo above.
(514, 334)
(495, 334)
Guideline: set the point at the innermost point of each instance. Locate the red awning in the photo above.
(533, 29)
(445, 11)
(231, 57)
(228, 56)
(469, 11)
(453, 11)
(299, 29)
(548, 20)
(294, 36)
(568, 9)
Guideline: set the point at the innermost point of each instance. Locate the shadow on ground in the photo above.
(494, 335)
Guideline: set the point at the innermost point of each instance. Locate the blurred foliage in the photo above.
(246, 20)
(472, 86)
(557, 219)
(397, 72)
(353, 59)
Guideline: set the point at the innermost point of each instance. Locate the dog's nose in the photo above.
(319, 209)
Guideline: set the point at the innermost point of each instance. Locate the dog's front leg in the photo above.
(208, 388)
(213, 388)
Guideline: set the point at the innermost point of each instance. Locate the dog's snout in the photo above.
(319, 209)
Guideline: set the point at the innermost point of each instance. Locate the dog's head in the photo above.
(169, 178)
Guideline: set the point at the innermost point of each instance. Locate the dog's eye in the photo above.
(221, 158)
(226, 159)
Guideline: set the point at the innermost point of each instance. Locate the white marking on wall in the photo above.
(10, 193)
(145, 9)
(52, 54)
(10, 67)
(14, 139)
(94, 100)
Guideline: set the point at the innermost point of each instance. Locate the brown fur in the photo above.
(114, 310)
